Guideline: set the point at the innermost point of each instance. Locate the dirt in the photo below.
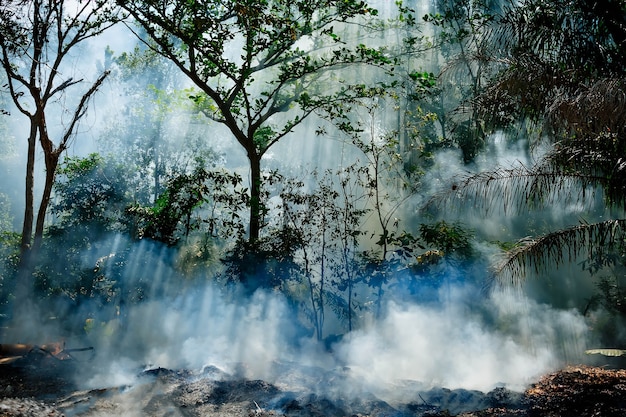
(43, 387)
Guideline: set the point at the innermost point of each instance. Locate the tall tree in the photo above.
(263, 66)
(37, 39)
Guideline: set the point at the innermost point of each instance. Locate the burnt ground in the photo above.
(46, 387)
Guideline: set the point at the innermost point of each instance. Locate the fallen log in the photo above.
(19, 353)
(20, 349)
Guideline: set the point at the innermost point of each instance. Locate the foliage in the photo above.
(198, 255)
(187, 197)
(99, 279)
(560, 58)
(9, 254)
(556, 53)
(173, 209)
(421, 262)
(560, 66)
(269, 262)
(91, 194)
(461, 43)
(451, 238)
(612, 295)
(90, 198)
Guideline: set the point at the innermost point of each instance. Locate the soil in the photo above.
(45, 386)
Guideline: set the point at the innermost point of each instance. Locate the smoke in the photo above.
(448, 345)
(457, 345)
(465, 338)
(160, 318)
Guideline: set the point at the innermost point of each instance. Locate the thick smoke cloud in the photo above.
(453, 345)
(464, 339)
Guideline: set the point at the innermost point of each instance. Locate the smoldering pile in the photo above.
(299, 391)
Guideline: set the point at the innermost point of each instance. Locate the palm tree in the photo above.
(560, 65)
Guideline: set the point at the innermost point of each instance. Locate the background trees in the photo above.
(37, 41)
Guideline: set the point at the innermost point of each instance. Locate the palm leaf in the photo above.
(517, 189)
(559, 247)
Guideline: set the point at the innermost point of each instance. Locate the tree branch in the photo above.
(80, 111)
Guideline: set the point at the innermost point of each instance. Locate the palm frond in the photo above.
(563, 64)
(599, 159)
(591, 109)
(516, 189)
(556, 248)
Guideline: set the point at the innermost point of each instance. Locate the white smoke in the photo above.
(455, 345)
(502, 339)
(205, 327)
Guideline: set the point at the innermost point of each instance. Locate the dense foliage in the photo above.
(347, 239)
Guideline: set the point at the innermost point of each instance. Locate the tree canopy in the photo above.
(262, 67)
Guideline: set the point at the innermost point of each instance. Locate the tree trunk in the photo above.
(23, 287)
(29, 210)
(256, 204)
(52, 160)
(157, 168)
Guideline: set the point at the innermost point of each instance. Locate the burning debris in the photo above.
(37, 371)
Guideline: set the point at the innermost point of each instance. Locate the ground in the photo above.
(40, 385)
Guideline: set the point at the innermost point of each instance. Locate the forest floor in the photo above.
(43, 386)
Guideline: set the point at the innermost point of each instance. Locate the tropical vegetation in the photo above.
(394, 93)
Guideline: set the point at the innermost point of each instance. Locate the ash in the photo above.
(159, 392)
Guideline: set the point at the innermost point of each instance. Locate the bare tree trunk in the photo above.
(27, 228)
(256, 204)
(52, 161)
(157, 168)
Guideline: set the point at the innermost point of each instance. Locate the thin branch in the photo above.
(65, 84)
(80, 111)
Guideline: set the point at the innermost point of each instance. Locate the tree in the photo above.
(91, 196)
(37, 38)
(387, 181)
(262, 66)
(564, 66)
(326, 223)
(460, 28)
(151, 130)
